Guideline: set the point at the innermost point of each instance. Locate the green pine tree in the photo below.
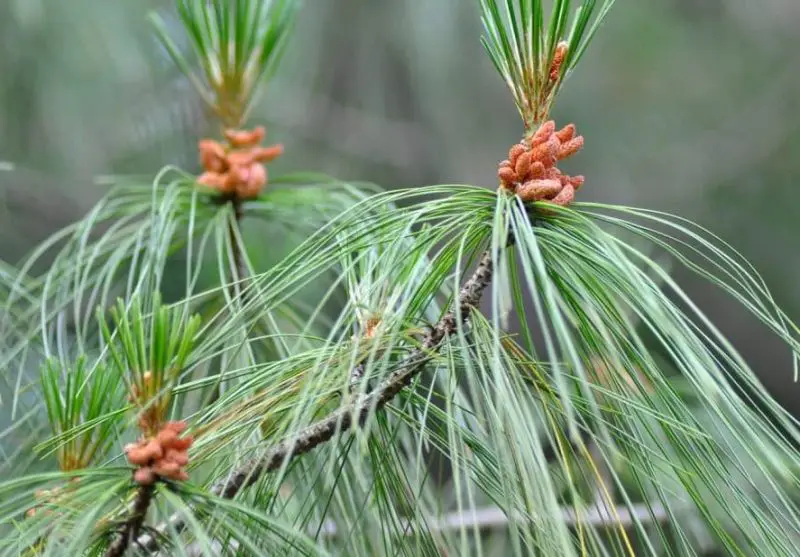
(441, 370)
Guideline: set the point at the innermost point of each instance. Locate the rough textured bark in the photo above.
(356, 413)
(130, 530)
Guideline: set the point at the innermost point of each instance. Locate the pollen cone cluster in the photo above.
(236, 169)
(161, 457)
(531, 171)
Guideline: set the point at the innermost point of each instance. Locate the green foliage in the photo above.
(616, 420)
(522, 43)
(237, 44)
(84, 408)
(149, 350)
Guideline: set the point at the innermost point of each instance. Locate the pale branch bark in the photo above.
(494, 518)
(356, 375)
(130, 530)
(354, 414)
(487, 518)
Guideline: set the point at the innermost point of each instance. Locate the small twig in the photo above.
(130, 529)
(356, 413)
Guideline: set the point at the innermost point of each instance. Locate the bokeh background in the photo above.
(687, 106)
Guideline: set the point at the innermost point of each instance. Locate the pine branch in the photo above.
(356, 413)
(134, 523)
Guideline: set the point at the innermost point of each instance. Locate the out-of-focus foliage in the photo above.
(686, 106)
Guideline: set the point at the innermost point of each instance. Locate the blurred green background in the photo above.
(688, 106)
